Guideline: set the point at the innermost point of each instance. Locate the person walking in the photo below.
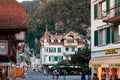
(95, 77)
(82, 76)
(53, 74)
(57, 74)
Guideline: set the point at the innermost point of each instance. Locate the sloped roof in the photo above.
(12, 15)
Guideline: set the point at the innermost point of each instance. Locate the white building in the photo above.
(105, 38)
(55, 48)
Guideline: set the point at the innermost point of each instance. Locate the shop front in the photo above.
(107, 68)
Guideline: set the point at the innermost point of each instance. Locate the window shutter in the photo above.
(95, 11)
(49, 58)
(107, 4)
(56, 58)
(61, 58)
(79, 49)
(108, 35)
(96, 38)
(55, 50)
(112, 35)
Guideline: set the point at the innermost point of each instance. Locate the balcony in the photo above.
(68, 53)
(112, 15)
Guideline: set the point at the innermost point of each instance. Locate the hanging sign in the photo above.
(3, 47)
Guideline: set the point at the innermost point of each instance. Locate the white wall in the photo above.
(95, 25)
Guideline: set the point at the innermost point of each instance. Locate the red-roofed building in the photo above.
(55, 48)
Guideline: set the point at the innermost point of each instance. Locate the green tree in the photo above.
(82, 59)
(64, 63)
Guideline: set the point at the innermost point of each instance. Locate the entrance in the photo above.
(108, 73)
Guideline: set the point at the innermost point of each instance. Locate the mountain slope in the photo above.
(59, 16)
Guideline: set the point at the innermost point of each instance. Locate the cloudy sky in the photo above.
(23, 0)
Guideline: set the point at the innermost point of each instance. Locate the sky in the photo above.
(23, 0)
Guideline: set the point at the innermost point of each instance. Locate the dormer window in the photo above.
(70, 41)
(55, 40)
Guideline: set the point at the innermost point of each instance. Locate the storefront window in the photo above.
(109, 73)
(103, 74)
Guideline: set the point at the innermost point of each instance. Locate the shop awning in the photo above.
(55, 67)
(111, 61)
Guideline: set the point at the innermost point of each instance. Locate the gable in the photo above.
(70, 35)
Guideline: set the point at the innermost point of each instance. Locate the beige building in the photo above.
(105, 38)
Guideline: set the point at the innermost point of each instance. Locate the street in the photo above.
(33, 75)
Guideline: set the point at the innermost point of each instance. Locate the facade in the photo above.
(13, 21)
(55, 48)
(105, 38)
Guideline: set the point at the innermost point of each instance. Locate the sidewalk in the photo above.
(18, 78)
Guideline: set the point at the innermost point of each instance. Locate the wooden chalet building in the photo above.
(13, 25)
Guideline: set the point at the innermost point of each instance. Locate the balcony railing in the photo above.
(111, 15)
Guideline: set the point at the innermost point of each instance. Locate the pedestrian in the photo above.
(53, 74)
(57, 74)
(82, 75)
(95, 77)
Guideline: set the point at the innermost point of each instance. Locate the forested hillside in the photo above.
(59, 16)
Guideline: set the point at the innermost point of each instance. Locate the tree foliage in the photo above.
(64, 63)
(82, 59)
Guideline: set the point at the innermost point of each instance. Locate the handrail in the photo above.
(109, 13)
(112, 7)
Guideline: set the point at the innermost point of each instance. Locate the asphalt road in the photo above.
(34, 75)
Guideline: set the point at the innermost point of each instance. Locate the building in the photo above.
(55, 48)
(13, 24)
(105, 38)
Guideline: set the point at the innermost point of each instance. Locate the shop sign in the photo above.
(114, 65)
(96, 65)
(3, 47)
(111, 51)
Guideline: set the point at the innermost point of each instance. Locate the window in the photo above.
(56, 41)
(73, 49)
(60, 58)
(67, 49)
(53, 58)
(56, 58)
(59, 50)
(102, 37)
(99, 8)
(79, 49)
(117, 9)
(46, 49)
(116, 33)
(70, 41)
(52, 50)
